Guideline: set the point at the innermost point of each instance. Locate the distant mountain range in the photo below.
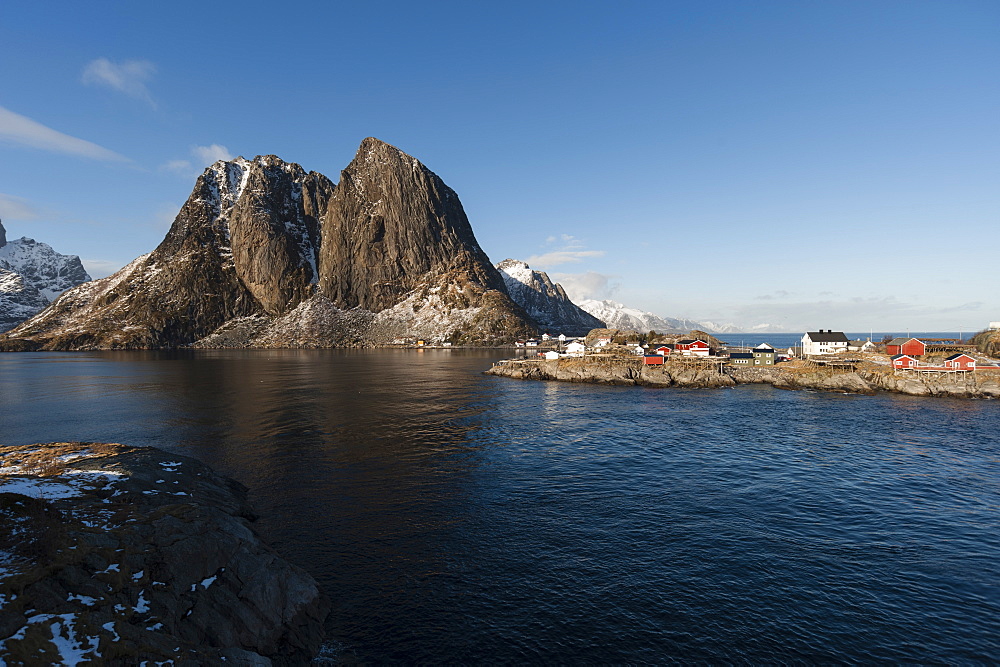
(32, 274)
(619, 316)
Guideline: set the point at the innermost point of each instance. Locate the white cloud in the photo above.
(179, 166)
(203, 157)
(572, 250)
(18, 129)
(210, 154)
(589, 285)
(100, 268)
(128, 77)
(862, 313)
(15, 208)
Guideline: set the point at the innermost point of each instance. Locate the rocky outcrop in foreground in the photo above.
(864, 379)
(119, 555)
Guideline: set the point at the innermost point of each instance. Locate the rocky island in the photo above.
(863, 374)
(120, 555)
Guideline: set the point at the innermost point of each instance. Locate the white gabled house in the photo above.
(861, 346)
(824, 342)
(575, 349)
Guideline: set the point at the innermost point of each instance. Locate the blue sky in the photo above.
(806, 164)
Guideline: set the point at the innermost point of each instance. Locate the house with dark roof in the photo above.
(912, 346)
(741, 358)
(824, 342)
(861, 346)
(763, 355)
(960, 362)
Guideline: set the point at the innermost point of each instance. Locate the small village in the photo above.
(824, 347)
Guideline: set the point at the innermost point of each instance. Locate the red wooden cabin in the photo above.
(960, 362)
(911, 346)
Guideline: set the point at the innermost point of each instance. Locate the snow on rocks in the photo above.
(32, 274)
(103, 572)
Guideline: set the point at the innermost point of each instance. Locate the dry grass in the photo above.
(49, 460)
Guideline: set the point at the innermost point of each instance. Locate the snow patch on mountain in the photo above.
(619, 316)
(18, 301)
(32, 274)
(546, 302)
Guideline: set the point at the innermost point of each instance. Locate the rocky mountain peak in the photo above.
(272, 255)
(512, 264)
(392, 222)
(545, 301)
(31, 275)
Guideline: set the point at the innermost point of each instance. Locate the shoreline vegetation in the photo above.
(857, 376)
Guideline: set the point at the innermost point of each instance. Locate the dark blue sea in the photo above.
(458, 518)
(782, 341)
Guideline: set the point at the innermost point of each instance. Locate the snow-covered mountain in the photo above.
(546, 302)
(32, 274)
(619, 316)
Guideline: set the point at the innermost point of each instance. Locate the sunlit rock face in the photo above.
(275, 256)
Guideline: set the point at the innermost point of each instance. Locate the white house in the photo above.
(861, 346)
(576, 349)
(551, 354)
(562, 338)
(824, 342)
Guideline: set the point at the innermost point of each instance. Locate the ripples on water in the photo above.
(454, 517)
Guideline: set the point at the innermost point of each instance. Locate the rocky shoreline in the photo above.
(119, 555)
(863, 378)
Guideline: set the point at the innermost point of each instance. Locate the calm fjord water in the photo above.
(454, 517)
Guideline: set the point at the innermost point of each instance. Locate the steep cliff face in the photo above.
(31, 275)
(392, 224)
(546, 302)
(243, 244)
(269, 255)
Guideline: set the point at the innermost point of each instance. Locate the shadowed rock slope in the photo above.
(546, 302)
(117, 555)
(264, 254)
